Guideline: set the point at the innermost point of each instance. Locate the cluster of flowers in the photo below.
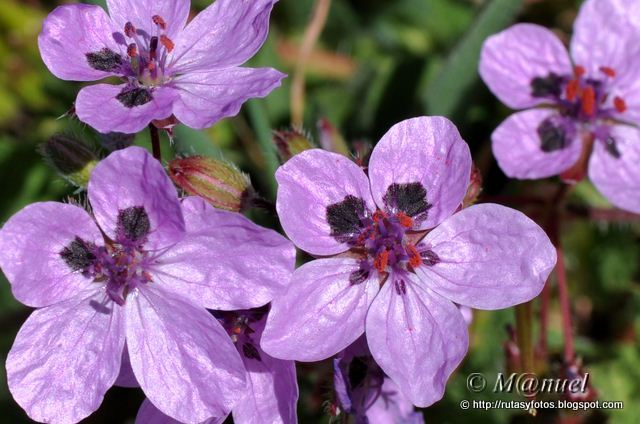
(203, 309)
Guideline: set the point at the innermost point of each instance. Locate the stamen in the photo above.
(153, 48)
(589, 101)
(579, 71)
(129, 30)
(610, 72)
(378, 216)
(572, 89)
(619, 104)
(157, 19)
(405, 220)
(414, 256)
(167, 43)
(132, 50)
(381, 261)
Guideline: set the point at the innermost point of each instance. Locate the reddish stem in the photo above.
(155, 142)
(565, 306)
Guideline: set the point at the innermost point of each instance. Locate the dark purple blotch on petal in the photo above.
(549, 86)
(132, 97)
(611, 147)
(133, 224)
(360, 275)
(104, 60)
(345, 217)
(410, 198)
(250, 351)
(78, 255)
(552, 136)
(429, 257)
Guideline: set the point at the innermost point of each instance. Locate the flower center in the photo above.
(122, 265)
(148, 53)
(582, 102)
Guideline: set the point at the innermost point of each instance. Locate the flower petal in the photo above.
(517, 147)
(391, 406)
(207, 97)
(603, 34)
(308, 184)
(417, 337)
(149, 414)
(618, 179)
(126, 377)
(225, 261)
(66, 356)
(131, 178)
(425, 150)
(272, 389)
(140, 13)
(98, 106)
(182, 357)
(71, 32)
(511, 59)
(31, 243)
(490, 257)
(225, 34)
(321, 313)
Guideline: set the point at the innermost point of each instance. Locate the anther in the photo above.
(381, 261)
(132, 50)
(378, 215)
(610, 72)
(589, 101)
(157, 19)
(579, 71)
(414, 256)
(572, 89)
(619, 104)
(153, 48)
(167, 43)
(405, 220)
(129, 30)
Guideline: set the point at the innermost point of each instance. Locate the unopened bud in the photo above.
(362, 151)
(116, 141)
(71, 158)
(331, 139)
(474, 189)
(291, 142)
(218, 182)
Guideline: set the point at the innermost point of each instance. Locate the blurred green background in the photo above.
(377, 62)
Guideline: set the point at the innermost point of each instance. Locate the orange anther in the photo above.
(572, 89)
(579, 71)
(167, 43)
(157, 19)
(132, 50)
(378, 215)
(381, 261)
(619, 104)
(405, 220)
(610, 72)
(589, 101)
(414, 257)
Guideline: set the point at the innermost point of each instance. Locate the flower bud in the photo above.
(218, 182)
(474, 189)
(331, 139)
(291, 142)
(71, 158)
(116, 141)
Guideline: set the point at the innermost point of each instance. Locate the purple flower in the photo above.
(272, 391)
(365, 392)
(385, 275)
(590, 100)
(192, 73)
(127, 287)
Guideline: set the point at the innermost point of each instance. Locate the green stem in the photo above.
(524, 331)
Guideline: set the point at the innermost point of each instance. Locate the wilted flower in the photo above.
(272, 391)
(192, 73)
(386, 276)
(363, 390)
(590, 100)
(133, 279)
